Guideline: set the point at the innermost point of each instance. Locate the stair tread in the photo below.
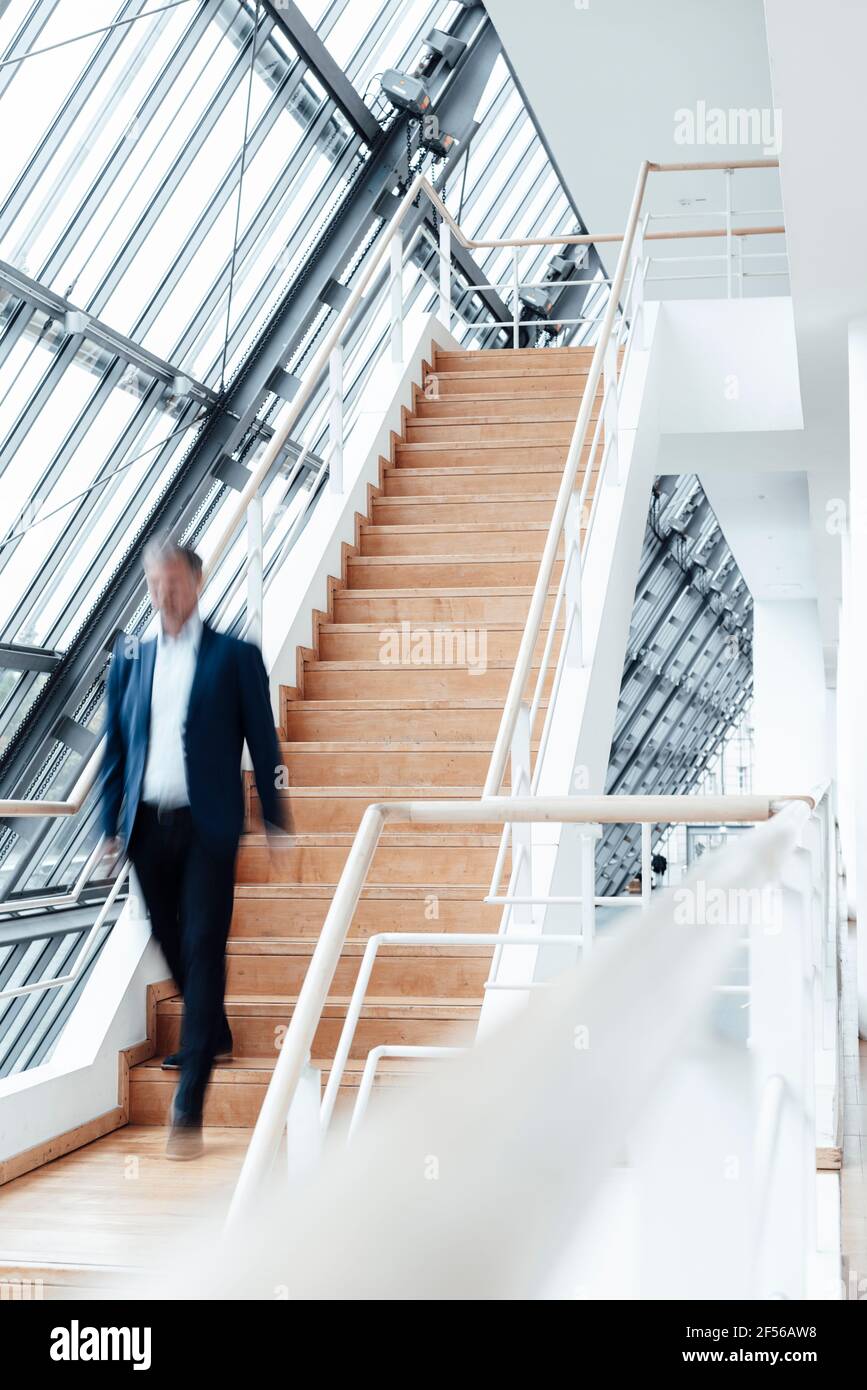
(451, 499)
(369, 791)
(151, 1068)
(484, 470)
(440, 528)
(405, 840)
(470, 445)
(487, 418)
(467, 892)
(516, 354)
(455, 558)
(575, 368)
(381, 746)
(466, 591)
(408, 704)
(435, 625)
(493, 664)
(496, 397)
(396, 1006)
(353, 946)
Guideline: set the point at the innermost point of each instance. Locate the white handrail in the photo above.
(311, 1000)
(85, 951)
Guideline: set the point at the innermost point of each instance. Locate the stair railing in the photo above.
(750, 1074)
(295, 1052)
(607, 365)
(328, 364)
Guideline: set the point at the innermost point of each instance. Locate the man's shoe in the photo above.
(185, 1139)
(175, 1060)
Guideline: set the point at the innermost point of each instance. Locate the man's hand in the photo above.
(277, 838)
(112, 849)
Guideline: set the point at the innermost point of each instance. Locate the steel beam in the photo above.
(307, 43)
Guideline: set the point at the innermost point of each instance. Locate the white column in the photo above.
(789, 703)
(855, 668)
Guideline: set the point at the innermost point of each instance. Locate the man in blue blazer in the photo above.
(180, 709)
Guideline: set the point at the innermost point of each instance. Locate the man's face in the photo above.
(174, 590)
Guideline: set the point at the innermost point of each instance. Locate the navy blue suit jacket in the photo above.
(229, 705)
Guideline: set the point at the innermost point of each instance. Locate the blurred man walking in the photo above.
(180, 708)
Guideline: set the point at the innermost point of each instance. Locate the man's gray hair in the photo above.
(159, 550)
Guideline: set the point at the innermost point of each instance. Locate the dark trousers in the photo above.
(189, 891)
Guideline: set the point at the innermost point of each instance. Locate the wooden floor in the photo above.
(99, 1219)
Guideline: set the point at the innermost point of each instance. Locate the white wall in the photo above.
(80, 1082)
(730, 365)
(790, 708)
(855, 666)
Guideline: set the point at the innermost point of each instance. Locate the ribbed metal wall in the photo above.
(688, 671)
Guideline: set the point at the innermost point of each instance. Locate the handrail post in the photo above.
(522, 832)
(638, 284)
(729, 175)
(589, 835)
(574, 616)
(335, 418)
(446, 274)
(255, 571)
(292, 1058)
(646, 863)
(396, 253)
(516, 298)
(610, 409)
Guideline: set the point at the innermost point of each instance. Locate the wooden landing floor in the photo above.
(96, 1221)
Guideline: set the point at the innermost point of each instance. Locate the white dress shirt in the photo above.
(165, 777)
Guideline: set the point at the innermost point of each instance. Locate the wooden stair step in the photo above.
(495, 410)
(441, 643)
(302, 948)
(258, 1023)
(481, 406)
(451, 539)
(466, 720)
(237, 1089)
(427, 763)
(454, 858)
(337, 680)
(454, 433)
(264, 911)
(473, 509)
(423, 571)
(506, 603)
(315, 809)
(481, 452)
(504, 381)
(500, 478)
(538, 456)
(543, 360)
(278, 966)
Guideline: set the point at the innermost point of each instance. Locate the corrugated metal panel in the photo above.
(688, 669)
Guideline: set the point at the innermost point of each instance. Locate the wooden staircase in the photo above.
(450, 548)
